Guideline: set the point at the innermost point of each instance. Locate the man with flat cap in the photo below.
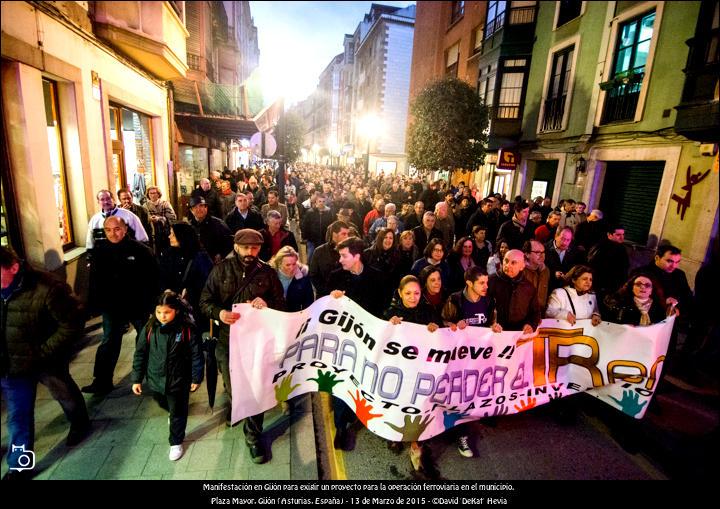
(241, 277)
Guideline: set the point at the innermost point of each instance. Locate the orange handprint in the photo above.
(362, 409)
(531, 402)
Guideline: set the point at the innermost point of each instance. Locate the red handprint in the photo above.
(362, 409)
(531, 402)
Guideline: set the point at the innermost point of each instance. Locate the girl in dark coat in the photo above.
(169, 355)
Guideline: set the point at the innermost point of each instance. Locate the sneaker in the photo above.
(257, 453)
(77, 434)
(176, 452)
(97, 388)
(464, 447)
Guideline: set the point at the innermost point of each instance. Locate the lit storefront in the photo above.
(132, 157)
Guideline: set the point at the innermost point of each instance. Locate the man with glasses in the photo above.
(536, 271)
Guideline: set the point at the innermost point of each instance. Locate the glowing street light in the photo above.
(369, 127)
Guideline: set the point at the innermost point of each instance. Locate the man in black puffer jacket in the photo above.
(241, 277)
(124, 283)
(39, 320)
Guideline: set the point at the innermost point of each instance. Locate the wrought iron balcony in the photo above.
(621, 97)
(553, 113)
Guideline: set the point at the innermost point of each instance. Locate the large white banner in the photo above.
(406, 383)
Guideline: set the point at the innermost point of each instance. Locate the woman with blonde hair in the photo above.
(297, 287)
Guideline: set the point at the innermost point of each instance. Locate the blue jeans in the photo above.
(19, 393)
(310, 247)
(109, 350)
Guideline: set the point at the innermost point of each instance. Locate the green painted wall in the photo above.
(667, 78)
(590, 26)
(666, 81)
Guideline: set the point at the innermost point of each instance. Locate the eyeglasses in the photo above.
(640, 284)
(438, 249)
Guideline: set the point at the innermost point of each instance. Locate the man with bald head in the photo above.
(515, 297)
(124, 283)
(209, 194)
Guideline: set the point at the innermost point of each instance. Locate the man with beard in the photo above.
(241, 278)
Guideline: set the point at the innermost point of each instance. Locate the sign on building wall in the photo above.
(507, 159)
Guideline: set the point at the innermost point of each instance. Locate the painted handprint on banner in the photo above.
(283, 389)
(326, 381)
(414, 427)
(362, 409)
(630, 403)
(497, 411)
(531, 402)
(451, 419)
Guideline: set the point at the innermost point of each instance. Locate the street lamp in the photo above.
(369, 126)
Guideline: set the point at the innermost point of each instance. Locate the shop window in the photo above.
(133, 162)
(57, 164)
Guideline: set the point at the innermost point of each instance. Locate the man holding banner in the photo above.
(241, 277)
(515, 297)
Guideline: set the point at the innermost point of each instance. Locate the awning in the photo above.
(217, 126)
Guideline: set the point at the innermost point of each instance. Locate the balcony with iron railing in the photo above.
(621, 97)
(553, 113)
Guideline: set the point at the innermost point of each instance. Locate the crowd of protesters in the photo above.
(404, 248)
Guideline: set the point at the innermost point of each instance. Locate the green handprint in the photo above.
(326, 381)
(414, 427)
(629, 403)
(283, 389)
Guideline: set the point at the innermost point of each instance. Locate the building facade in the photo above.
(85, 107)
(212, 111)
(383, 44)
(447, 41)
(607, 92)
